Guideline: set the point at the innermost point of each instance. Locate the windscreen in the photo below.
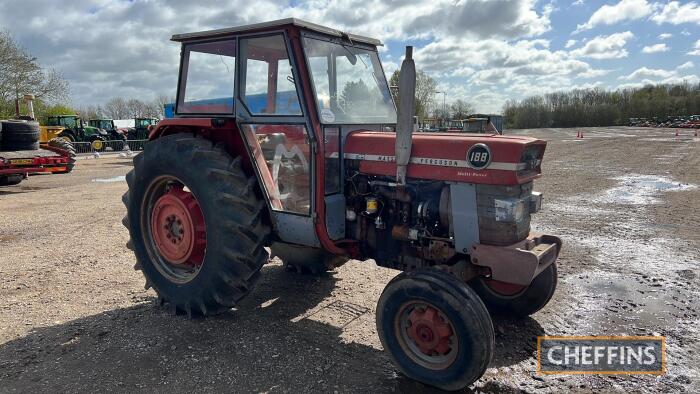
(350, 85)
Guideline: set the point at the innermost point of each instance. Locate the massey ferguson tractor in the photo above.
(286, 141)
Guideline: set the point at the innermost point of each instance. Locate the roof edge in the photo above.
(275, 23)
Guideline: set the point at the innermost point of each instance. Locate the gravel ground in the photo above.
(75, 317)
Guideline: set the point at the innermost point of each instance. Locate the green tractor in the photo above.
(118, 136)
(76, 131)
(139, 132)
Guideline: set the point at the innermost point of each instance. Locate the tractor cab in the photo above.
(289, 85)
(68, 121)
(144, 122)
(140, 130)
(104, 124)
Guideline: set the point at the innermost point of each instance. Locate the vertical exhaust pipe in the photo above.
(29, 99)
(404, 123)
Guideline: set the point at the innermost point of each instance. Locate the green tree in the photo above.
(20, 74)
(426, 87)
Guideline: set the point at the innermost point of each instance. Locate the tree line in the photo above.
(599, 107)
(426, 104)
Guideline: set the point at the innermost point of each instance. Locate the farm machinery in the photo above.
(139, 132)
(74, 130)
(116, 135)
(21, 152)
(303, 152)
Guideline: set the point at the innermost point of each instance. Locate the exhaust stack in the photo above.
(29, 99)
(404, 123)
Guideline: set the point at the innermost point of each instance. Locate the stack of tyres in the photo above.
(19, 135)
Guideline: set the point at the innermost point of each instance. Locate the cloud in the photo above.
(696, 49)
(570, 43)
(578, 2)
(644, 72)
(605, 47)
(475, 18)
(676, 13)
(109, 48)
(625, 10)
(665, 76)
(656, 48)
(665, 36)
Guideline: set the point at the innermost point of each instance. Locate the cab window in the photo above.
(269, 87)
(207, 80)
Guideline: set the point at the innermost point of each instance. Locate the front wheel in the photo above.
(518, 300)
(435, 328)
(196, 224)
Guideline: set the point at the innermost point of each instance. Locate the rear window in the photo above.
(207, 80)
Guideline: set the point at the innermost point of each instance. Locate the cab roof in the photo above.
(273, 25)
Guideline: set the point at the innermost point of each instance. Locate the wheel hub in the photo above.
(177, 227)
(430, 332)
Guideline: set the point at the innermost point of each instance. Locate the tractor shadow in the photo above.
(277, 340)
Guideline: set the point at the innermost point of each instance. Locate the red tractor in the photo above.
(286, 137)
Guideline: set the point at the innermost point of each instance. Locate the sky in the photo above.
(481, 51)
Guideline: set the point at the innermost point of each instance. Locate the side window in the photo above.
(207, 80)
(270, 88)
(283, 157)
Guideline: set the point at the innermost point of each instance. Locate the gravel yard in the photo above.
(74, 315)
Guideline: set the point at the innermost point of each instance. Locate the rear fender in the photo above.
(217, 130)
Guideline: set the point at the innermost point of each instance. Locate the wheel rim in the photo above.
(426, 335)
(97, 144)
(175, 230)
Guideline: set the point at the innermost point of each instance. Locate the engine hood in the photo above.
(457, 157)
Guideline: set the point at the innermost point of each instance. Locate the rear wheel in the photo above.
(98, 144)
(196, 224)
(515, 299)
(435, 328)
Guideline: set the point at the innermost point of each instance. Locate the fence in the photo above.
(108, 146)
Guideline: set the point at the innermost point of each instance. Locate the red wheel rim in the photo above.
(504, 288)
(426, 335)
(430, 332)
(177, 227)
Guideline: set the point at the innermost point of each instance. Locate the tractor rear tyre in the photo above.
(19, 135)
(62, 144)
(9, 180)
(517, 300)
(435, 328)
(196, 224)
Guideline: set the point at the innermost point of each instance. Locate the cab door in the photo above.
(274, 123)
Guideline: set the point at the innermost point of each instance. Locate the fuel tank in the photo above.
(457, 157)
